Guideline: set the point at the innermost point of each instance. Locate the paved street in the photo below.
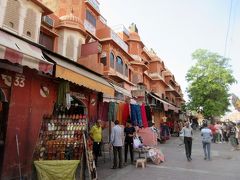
(223, 166)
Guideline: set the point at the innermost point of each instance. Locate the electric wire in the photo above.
(228, 28)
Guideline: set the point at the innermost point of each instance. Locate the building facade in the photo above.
(45, 44)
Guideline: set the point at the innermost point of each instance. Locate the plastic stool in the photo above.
(141, 162)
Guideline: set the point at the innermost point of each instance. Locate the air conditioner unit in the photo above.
(48, 21)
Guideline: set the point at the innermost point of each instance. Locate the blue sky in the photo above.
(175, 29)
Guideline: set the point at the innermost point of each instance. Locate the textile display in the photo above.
(103, 112)
(56, 169)
(148, 136)
(116, 111)
(136, 116)
(149, 115)
(125, 115)
(156, 155)
(111, 111)
(144, 116)
(120, 113)
(63, 89)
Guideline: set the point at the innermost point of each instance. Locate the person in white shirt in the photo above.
(117, 143)
(206, 134)
(188, 134)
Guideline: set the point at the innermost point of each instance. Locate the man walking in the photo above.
(96, 135)
(188, 134)
(207, 136)
(117, 143)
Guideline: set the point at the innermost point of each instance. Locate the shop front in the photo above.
(26, 87)
(64, 133)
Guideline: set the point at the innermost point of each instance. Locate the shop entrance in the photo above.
(77, 106)
(3, 124)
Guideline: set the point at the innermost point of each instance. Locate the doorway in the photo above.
(3, 124)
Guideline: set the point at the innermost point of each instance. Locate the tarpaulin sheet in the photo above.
(56, 169)
(148, 136)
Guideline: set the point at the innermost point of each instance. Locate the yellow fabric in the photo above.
(96, 133)
(82, 80)
(56, 169)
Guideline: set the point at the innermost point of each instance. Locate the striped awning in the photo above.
(18, 51)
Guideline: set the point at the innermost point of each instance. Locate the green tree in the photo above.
(209, 82)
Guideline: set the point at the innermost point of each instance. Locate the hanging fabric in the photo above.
(149, 115)
(126, 114)
(136, 116)
(63, 89)
(111, 111)
(120, 113)
(144, 116)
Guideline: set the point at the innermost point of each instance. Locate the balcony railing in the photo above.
(94, 4)
(121, 28)
(119, 41)
(156, 75)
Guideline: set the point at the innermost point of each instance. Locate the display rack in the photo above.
(61, 137)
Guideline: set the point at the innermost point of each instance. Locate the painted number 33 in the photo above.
(19, 81)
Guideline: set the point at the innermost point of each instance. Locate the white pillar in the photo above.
(38, 25)
(23, 11)
(75, 51)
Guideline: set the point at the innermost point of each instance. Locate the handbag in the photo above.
(136, 142)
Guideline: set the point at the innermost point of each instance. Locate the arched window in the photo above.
(112, 60)
(30, 24)
(12, 14)
(126, 70)
(70, 47)
(119, 64)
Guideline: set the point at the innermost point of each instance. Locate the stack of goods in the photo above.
(156, 155)
(61, 138)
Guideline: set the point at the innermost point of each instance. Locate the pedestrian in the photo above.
(224, 130)
(188, 135)
(214, 132)
(232, 136)
(96, 135)
(117, 143)
(129, 132)
(207, 136)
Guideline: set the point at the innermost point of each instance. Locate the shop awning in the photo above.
(19, 51)
(122, 90)
(167, 106)
(80, 76)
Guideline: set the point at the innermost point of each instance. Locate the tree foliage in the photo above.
(209, 82)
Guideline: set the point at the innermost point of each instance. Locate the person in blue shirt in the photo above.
(207, 136)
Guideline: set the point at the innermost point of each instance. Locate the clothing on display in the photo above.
(136, 116)
(120, 112)
(144, 116)
(149, 115)
(125, 115)
(111, 111)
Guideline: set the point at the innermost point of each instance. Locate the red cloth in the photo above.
(125, 114)
(103, 111)
(144, 116)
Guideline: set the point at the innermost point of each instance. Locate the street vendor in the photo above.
(129, 132)
(96, 135)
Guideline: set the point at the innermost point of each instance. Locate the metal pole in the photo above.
(18, 156)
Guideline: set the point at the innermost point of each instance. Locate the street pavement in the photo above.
(225, 164)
